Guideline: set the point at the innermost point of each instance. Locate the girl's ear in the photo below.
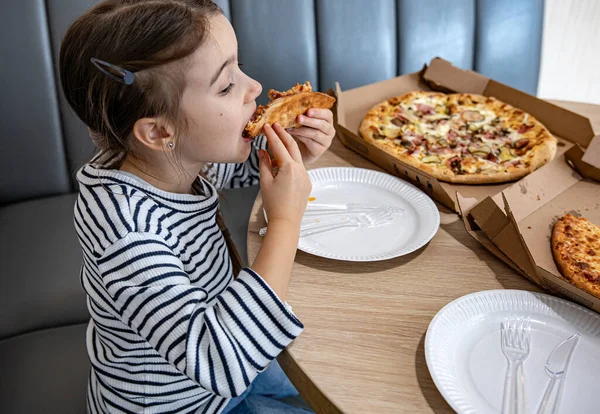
(154, 133)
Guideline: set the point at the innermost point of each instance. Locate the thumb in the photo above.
(265, 167)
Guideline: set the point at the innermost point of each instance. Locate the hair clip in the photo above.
(126, 78)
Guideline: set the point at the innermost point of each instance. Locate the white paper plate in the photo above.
(406, 233)
(463, 353)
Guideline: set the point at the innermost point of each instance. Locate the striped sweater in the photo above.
(171, 331)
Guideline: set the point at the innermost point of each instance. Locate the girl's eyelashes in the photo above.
(230, 86)
(227, 89)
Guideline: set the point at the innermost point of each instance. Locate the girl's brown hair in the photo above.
(153, 39)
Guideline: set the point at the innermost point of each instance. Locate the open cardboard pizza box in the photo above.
(516, 224)
(353, 104)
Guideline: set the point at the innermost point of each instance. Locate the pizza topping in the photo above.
(399, 121)
(431, 159)
(524, 128)
(452, 134)
(260, 110)
(273, 94)
(472, 116)
(406, 143)
(505, 154)
(521, 143)
(410, 135)
(297, 88)
(454, 165)
(391, 131)
(424, 109)
(378, 136)
(521, 146)
(492, 157)
(479, 150)
(258, 113)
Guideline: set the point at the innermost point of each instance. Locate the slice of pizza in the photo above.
(284, 108)
(576, 249)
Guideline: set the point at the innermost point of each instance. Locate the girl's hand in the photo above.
(284, 193)
(316, 135)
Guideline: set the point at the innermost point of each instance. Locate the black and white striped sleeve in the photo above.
(221, 346)
(245, 174)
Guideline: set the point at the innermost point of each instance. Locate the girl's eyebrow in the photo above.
(223, 66)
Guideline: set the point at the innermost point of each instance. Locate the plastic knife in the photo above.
(556, 368)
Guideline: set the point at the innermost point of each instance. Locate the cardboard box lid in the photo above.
(586, 163)
(592, 153)
(481, 237)
(444, 76)
(534, 191)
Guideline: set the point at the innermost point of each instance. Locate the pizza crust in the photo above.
(544, 151)
(540, 149)
(444, 174)
(576, 250)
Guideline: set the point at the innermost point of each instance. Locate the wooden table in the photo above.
(362, 350)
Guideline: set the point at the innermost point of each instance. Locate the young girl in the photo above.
(177, 326)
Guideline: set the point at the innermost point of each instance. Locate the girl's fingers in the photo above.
(289, 142)
(311, 134)
(265, 167)
(321, 113)
(277, 147)
(317, 124)
(311, 145)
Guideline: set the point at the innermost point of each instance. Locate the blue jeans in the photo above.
(262, 395)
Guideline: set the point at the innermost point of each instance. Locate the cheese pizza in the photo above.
(576, 249)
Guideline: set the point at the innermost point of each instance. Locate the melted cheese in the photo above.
(473, 144)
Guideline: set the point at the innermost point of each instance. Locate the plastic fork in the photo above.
(345, 208)
(355, 220)
(516, 334)
(373, 219)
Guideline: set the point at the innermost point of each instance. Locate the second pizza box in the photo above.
(441, 75)
(516, 224)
